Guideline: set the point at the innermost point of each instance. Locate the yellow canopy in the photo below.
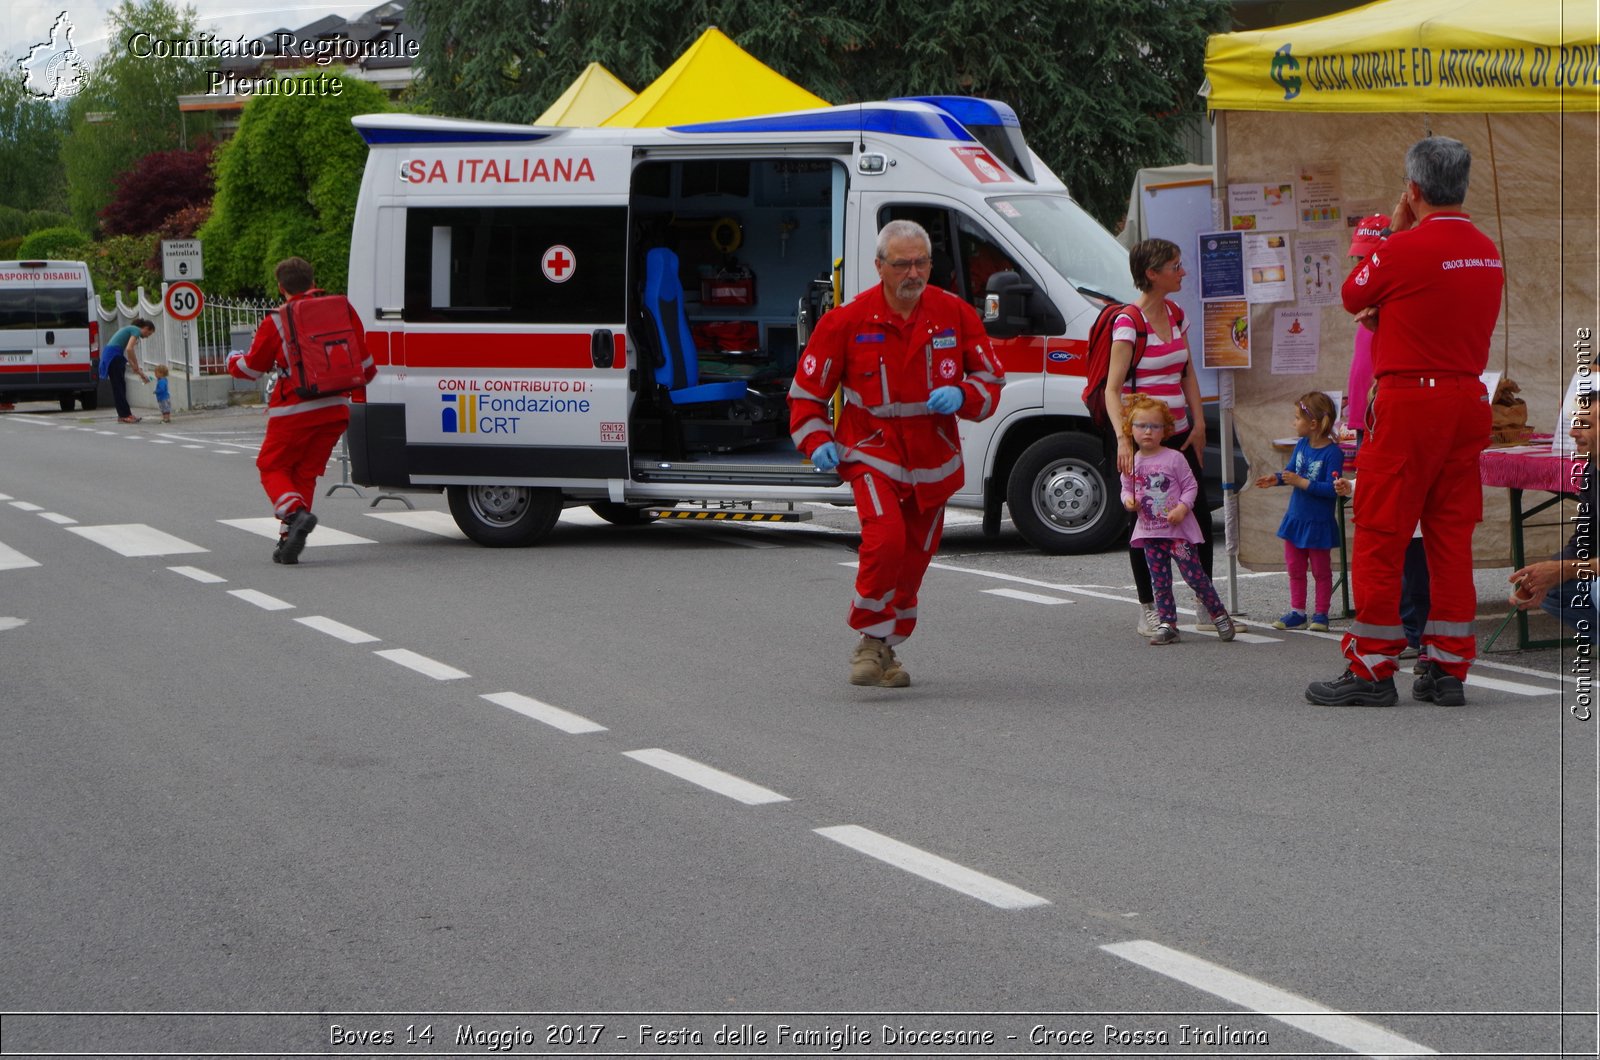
(1409, 56)
(713, 81)
(593, 97)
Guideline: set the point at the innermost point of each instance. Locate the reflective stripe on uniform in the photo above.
(308, 406)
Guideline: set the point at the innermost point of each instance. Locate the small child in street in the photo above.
(1162, 491)
(1309, 528)
(163, 393)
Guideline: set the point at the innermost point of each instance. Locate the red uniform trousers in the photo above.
(1419, 461)
(898, 540)
(295, 452)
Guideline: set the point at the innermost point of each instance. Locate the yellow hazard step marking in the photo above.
(730, 517)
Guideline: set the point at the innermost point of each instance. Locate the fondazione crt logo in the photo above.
(53, 69)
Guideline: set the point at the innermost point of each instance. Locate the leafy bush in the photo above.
(13, 222)
(62, 243)
(9, 248)
(125, 263)
(38, 219)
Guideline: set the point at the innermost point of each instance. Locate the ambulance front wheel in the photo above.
(1061, 499)
(505, 516)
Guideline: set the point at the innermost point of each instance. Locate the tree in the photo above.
(483, 58)
(287, 185)
(1101, 88)
(158, 186)
(31, 131)
(128, 105)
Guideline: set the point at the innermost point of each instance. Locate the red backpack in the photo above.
(1094, 389)
(323, 344)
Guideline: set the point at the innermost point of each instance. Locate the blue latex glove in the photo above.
(946, 399)
(826, 458)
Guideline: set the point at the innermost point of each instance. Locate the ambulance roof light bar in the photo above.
(994, 124)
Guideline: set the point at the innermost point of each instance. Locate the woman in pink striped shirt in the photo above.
(1164, 372)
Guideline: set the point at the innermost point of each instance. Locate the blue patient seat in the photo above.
(679, 371)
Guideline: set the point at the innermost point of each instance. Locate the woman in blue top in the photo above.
(1310, 529)
(118, 357)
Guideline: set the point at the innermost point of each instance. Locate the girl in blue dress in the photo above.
(1309, 529)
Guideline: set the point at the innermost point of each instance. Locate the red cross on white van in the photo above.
(558, 264)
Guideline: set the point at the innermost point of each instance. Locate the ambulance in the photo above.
(612, 317)
(49, 337)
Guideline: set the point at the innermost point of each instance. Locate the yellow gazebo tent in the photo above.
(588, 101)
(1346, 95)
(713, 80)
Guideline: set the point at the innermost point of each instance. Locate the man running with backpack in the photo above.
(304, 422)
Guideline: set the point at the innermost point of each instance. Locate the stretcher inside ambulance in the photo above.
(612, 317)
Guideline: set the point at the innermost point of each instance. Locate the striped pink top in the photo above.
(1160, 370)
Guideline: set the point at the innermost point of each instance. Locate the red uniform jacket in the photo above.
(1438, 289)
(888, 366)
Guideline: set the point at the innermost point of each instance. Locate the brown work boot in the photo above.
(894, 675)
(866, 662)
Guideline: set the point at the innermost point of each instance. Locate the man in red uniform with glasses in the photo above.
(911, 359)
(1431, 293)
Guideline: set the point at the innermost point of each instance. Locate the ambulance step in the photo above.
(728, 515)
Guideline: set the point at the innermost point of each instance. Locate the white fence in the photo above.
(197, 351)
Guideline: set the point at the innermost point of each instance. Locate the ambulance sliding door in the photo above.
(515, 369)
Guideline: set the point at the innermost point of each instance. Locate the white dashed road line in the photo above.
(1032, 598)
(205, 577)
(555, 717)
(337, 630)
(136, 539)
(706, 777)
(422, 664)
(947, 873)
(261, 600)
(1516, 688)
(27, 506)
(1357, 1035)
(58, 518)
(12, 623)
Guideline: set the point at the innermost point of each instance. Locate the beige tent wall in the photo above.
(1533, 191)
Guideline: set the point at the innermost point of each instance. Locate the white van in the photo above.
(49, 337)
(612, 317)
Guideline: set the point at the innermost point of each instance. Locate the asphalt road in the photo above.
(535, 800)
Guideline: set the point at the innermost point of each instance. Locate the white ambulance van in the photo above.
(49, 337)
(612, 317)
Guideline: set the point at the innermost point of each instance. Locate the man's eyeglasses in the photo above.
(907, 264)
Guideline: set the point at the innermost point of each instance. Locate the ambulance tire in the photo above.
(89, 400)
(505, 516)
(622, 514)
(1061, 497)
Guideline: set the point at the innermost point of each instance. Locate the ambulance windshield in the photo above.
(1070, 240)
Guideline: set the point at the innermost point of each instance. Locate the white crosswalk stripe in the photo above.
(137, 539)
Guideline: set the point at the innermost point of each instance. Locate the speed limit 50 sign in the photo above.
(184, 301)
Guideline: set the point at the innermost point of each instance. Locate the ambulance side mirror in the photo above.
(1012, 306)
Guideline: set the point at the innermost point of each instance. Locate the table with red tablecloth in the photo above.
(1529, 467)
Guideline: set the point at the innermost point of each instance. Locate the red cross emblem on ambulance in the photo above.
(559, 263)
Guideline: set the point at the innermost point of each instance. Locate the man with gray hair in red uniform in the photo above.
(911, 359)
(1431, 293)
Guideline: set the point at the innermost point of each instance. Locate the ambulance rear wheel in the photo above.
(1061, 498)
(622, 514)
(505, 516)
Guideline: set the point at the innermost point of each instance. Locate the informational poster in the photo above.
(1268, 267)
(1227, 334)
(1321, 262)
(1296, 338)
(1265, 207)
(1221, 264)
(1320, 199)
